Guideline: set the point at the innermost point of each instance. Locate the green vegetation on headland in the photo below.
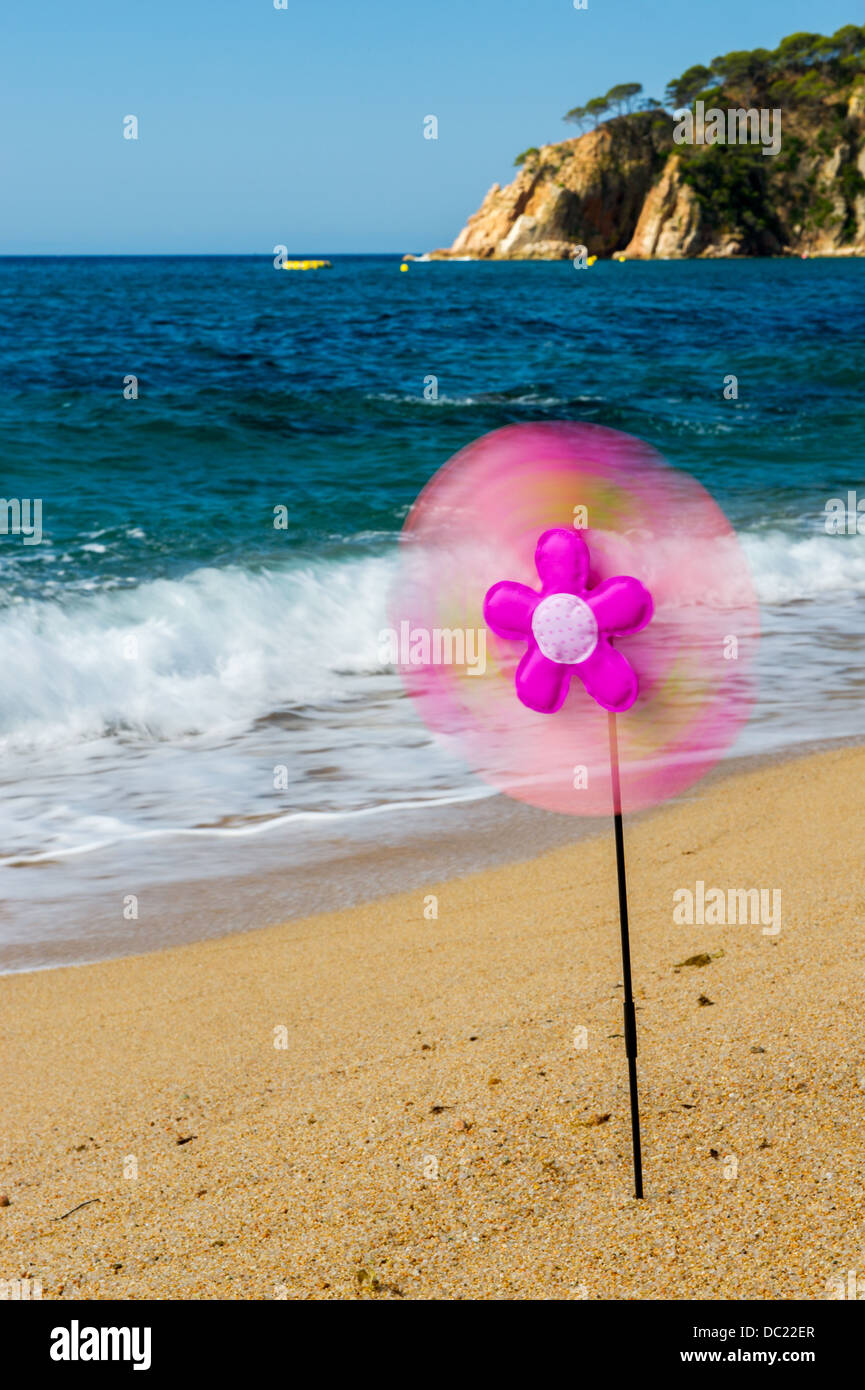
(803, 70)
(809, 78)
(619, 99)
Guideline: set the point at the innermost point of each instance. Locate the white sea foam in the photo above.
(210, 652)
(219, 648)
(315, 819)
(786, 568)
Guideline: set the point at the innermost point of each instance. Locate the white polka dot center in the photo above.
(565, 629)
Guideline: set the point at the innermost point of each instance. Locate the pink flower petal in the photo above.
(508, 609)
(620, 604)
(562, 560)
(609, 677)
(542, 684)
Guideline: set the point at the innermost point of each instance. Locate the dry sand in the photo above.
(429, 1128)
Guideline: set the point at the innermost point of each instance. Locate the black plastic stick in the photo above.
(630, 1012)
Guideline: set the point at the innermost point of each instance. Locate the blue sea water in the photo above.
(165, 646)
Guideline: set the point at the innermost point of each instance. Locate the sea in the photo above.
(196, 732)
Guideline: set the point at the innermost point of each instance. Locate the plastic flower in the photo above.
(568, 627)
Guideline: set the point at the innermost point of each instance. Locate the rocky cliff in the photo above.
(590, 190)
(629, 187)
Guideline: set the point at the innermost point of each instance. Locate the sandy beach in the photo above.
(380, 1103)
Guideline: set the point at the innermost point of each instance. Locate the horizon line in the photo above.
(191, 255)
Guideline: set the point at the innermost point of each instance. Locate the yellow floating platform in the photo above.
(307, 265)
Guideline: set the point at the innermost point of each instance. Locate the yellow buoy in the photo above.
(403, 267)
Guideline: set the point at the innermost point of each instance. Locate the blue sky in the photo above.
(304, 126)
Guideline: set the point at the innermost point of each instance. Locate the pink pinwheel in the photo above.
(494, 499)
(568, 626)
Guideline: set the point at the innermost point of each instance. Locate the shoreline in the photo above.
(375, 1103)
(443, 843)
